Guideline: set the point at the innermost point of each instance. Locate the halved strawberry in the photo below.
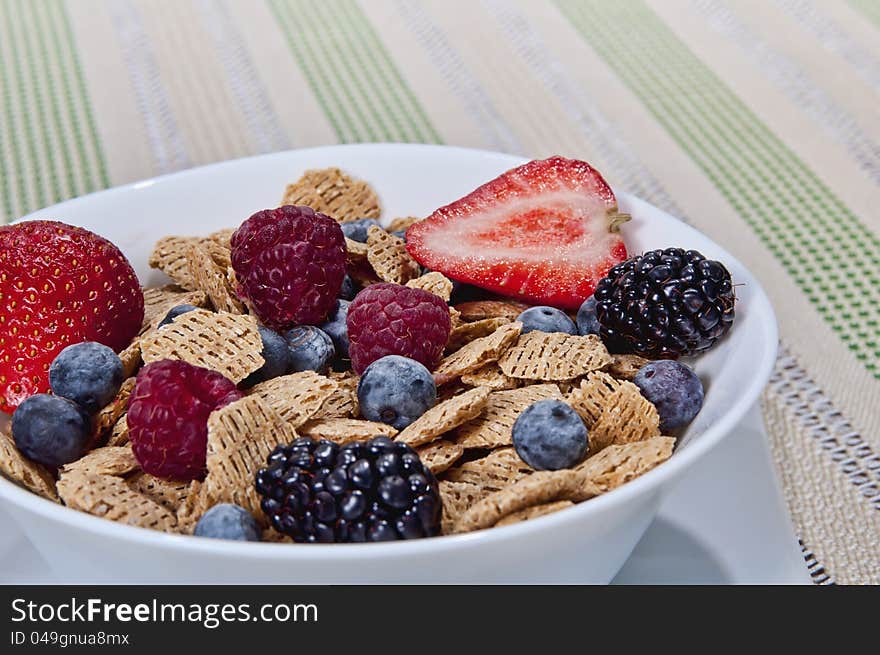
(545, 232)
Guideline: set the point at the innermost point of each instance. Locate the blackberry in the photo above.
(320, 492)
(665, 303)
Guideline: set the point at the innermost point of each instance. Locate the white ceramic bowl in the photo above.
(586, 543)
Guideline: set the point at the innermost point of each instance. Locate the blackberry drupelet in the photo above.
(377, 490)
(665, 303)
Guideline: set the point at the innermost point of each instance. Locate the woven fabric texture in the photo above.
(756, 121)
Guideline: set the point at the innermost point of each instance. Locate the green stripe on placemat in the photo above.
(361, 91)
(830, 254)
(13, 80)
(78, 86)
(869, 8)
(10, 148)
(49, 145)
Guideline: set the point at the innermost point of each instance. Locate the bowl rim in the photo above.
(767, 332)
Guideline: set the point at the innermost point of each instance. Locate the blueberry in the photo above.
(277, 356)
(357, 230)
(87, 373)
(227, 521)
(587, 322)
(174, 312)
(674, 389)
(51, 430)
(311, 349)
(336, 327)
(549, 435)
(349, 288)
(400, 234)
(546, 319)
(396, 390)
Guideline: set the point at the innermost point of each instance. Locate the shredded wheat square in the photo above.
(240, 437)
(332, 192)
(445, 416)
(387, 255)
(227, 343)
(493, 428)
(614, 411)
(552, 356)
(111, 498)
(296, 397)
(439, 455)
(22, 471)
(476, 354)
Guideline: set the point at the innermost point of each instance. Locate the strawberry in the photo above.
(59, 285)
(545, 232)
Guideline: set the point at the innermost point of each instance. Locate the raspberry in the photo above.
(168, 417)
(290, 263)
(390, 319)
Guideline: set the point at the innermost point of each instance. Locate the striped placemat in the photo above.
(757, 121)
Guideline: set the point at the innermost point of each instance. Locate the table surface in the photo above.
(756, 121)
(714, 529)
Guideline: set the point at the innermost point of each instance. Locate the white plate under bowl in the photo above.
(411, 180)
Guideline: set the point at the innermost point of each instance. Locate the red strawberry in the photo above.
(59, 285)
(545, 232)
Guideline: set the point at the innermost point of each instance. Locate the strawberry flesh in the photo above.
(544, 232)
